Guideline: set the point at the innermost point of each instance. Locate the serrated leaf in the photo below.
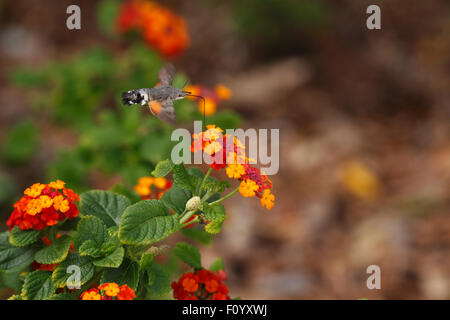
(175, 198)
(181, 178)
(159, 281)
(215, 212)
(215, 186)
(21, 238)
(92, 230)
(38, 285)
(105, 205)
(54, 253)
(146, 261)
(214, 226)
(217, 265)
(146, 222)
(126, 273)
(90, 248)
(111, 261)
(14, 258)
(188, 254)
(60, 275)
(15, 297)
(163, 168)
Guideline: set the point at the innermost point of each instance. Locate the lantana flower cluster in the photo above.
(109, 291)
(201, 285)
(44, 205)
(212, 97)
(152, 188)
(159, 27)
(225, 151)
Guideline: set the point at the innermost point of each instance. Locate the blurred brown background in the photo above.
(364, 142)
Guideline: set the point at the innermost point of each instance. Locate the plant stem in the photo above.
(225, 197)
(187, 216)
(204, 179)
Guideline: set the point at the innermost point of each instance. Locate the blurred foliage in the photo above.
(20, 143)
(274, 21)
(7, 188)
(84, 94)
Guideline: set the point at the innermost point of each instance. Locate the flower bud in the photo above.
(193, 203)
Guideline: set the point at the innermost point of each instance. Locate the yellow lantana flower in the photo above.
(61, 204)
(248, 188)
(58, 184)
(267, 199)
(235, 171)
(35, 190)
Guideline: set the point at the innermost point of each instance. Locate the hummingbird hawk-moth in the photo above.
(159, 99)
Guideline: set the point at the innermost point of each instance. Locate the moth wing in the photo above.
(165, 110)
(166, 74)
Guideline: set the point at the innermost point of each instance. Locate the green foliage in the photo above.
(13, 258)
(217, 265)
(175, 198)
(126, 273)
(115, 241)
(275, 21)
(38, 285)
(146, 222)
(20, 142)
(106, 205)
(54, 253)
(216, 215)
(188, 254)
(21, 238)
(7, 187)
(60, 275)
(158, 280)
(163, 168)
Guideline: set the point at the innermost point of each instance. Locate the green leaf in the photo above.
(38, 286)
(21, 238)
(113, 260)
(188, 254)
(92, 230)
(146, 222)
(217, 265)
(54, 253)
(175, 198)
(158, 279)
(90, 248)
(197, 234)
(13, 258)
(163, 168)
(215, 214)
(181, 178)
(214, 186)
(105, 205)
(60, 275)
(126, 273)
(214, 226)
(146, 261)
(15, 297)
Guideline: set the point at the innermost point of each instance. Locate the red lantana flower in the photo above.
(44, 205)
(201, 285)
(159, 27)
